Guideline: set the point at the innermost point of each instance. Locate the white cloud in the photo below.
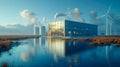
(94, 19)
(29, 16)
(16, 29)
(77, 15)
(76, 11)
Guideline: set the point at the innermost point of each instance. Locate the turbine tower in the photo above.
(111, 23)
(106, 15)
(111, 17)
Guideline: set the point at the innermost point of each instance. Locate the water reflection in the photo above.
(59, 53)
(36, 41)
(63, 48)
(28, 54)
(32, 49)
(8, 47)
(66, 47)
(42, 41)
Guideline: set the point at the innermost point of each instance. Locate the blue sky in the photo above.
(10, 9)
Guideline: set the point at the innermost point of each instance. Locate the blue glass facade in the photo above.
(72, 29)
(43, 31)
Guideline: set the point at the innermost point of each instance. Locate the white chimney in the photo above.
(36, 29)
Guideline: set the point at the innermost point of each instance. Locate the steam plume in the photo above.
(94, 19)
(58, 15)
(77, 14)
(44, 19)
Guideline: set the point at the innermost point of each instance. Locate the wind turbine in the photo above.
(111, 23)
(110, 28)
(112, 17)
(106, 15)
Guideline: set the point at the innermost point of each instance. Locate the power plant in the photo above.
(36, 30)
(39, 30)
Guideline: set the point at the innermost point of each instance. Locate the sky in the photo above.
(10, 9)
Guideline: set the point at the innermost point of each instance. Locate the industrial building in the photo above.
(43, 31)
(39, 30)
(68, 28)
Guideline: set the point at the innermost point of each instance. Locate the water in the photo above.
(44, 52)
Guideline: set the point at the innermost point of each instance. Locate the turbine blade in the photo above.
(109, 9)
(100, 16)
(110, 17)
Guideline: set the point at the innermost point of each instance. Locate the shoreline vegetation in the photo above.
(5, 43)
(9, 41)
(6, 40)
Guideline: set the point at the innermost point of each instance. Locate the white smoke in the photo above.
(93, 14)
(77, 15)
(58, 15)
(44, 19)
(69, 12)
(94, 19)
(73, 14)
(76, 11)
(29, 16)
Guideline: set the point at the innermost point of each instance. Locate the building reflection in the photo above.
(36, 41)
(42, 41)
(63, 48)
(39, 41)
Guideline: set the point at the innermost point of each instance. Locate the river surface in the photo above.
(44, 52)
